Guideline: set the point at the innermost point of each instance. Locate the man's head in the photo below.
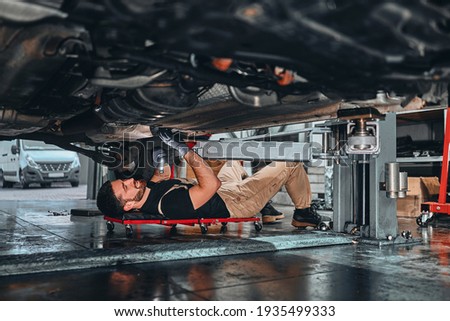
(121, 195)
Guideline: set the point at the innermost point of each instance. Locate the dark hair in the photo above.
(107, 202)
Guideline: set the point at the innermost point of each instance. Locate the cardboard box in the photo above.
(420, 189)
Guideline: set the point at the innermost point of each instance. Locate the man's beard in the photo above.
(140, 185)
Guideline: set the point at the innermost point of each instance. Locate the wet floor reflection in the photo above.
(310, 274)
(351, 272)
(439, 244)
(255, 278)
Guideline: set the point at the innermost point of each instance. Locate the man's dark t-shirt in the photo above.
(171, 199)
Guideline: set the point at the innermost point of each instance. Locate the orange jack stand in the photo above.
(428, 209)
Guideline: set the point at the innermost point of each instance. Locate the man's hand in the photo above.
(167, 137)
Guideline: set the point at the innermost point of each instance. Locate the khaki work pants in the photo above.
(246, 197)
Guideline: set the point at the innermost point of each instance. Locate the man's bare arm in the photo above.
(208, 183)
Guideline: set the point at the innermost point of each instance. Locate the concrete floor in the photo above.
(48, 254)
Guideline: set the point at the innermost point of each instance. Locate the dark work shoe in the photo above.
(307, 217)
(270, 214)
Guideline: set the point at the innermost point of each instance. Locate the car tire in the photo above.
(25, 185)
(1, 179)
(74, 184)
(5, 184)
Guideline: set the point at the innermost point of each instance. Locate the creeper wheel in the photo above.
(223, 228)
(110, 226)
(322, 226)
(128, 230)
(203, 228)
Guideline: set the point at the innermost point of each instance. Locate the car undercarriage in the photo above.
(105, 73)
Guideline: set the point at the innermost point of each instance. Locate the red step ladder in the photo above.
(428, 209)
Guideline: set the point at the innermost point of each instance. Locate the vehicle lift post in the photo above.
(362, 204)
(378, 181)
(428, 209)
